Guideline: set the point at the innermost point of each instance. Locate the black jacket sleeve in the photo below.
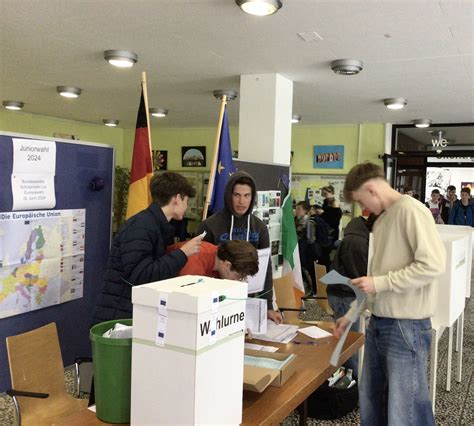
(264, 242)
(144, 257)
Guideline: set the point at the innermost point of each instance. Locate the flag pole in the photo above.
(145, 98)
(212, 175)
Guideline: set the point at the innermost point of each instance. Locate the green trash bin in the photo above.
(112, 372)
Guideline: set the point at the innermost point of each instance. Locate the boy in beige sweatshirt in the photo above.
(408, 255)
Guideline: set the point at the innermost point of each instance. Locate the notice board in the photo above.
(83, 182)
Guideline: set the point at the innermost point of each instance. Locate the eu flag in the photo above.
(224, 168)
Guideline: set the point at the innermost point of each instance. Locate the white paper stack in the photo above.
(282, 333)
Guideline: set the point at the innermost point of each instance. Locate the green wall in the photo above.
(39, 125)
(172, 139)
(305, 137)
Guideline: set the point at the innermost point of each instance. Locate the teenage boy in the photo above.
(138, 253)
(401, 289)
(231, 260)
(236, 222)
(462, 212)
(448, 202)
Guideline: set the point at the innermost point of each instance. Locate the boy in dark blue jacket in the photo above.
(138, 253)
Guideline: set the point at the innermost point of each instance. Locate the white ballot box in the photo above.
(188, 351)
(463, 230)
(451, 285)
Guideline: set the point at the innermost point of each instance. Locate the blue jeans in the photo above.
(340, 305)
(394, 386)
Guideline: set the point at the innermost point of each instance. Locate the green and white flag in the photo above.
(289, 243)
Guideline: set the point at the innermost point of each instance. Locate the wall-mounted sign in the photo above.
(328, 157)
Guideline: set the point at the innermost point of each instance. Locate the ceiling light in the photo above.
(347, 66)
(395, 103)
(295, 119)
(422, 123)
(13, 105)
(69, 91)
(110, 123)
(230, 94)
(158, 112)
(121, 58)
(259, 7)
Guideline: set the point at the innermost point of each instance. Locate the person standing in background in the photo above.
(462, 212)
(351, 262)
(435, 206)
(448, 202)
(332, 211)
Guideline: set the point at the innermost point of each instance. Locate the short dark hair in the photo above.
(451, 188)
(435, 191)
(358, 175)
(466, 189)
(407, 189)
(304, 204)
(244, 180)
(164, 186)
(242, 256)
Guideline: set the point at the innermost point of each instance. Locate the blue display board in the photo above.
(328, 157)
(77, 165)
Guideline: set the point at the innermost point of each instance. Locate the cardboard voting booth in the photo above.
(188, 351)
(469, 232)
(451, 285)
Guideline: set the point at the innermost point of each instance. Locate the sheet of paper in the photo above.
(314, 332)
(257, 281)
(262, 348)
(334, 277)
(282, 333)
(256, 315)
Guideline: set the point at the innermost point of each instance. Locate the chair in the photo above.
(322, 296)
(289, 302)
(37, 376)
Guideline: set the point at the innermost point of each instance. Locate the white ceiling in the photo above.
(418, 49)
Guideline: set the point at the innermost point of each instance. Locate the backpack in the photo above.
(332, 403)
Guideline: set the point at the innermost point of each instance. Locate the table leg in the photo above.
(433, 365)
(460, 340)
(450, 357)
(303, 412)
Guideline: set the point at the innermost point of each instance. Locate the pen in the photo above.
(298, 342)
(200, 280)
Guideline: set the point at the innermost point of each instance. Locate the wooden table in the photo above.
(273, 405)
(312, 369)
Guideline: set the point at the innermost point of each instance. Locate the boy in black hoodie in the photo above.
(236, 222)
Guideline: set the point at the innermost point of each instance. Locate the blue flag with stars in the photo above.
(225, 167)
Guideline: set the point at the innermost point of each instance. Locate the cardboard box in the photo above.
(257, 379)
(188, 367)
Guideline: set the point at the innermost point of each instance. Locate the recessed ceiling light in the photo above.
(230, 94)
(158, 112)
(69, 91)
(395, 103)
(422, 123)
(347, 66)
(13, 105)
(259, 7)
(110, 123)
(121, 58)
(295, 118)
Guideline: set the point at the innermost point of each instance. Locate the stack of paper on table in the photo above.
(314, 332)
(282, 333)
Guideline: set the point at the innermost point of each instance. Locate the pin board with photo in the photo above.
(308, 187)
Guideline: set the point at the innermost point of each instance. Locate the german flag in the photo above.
(139, 197)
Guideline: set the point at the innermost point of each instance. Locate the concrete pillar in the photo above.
(266, 104)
